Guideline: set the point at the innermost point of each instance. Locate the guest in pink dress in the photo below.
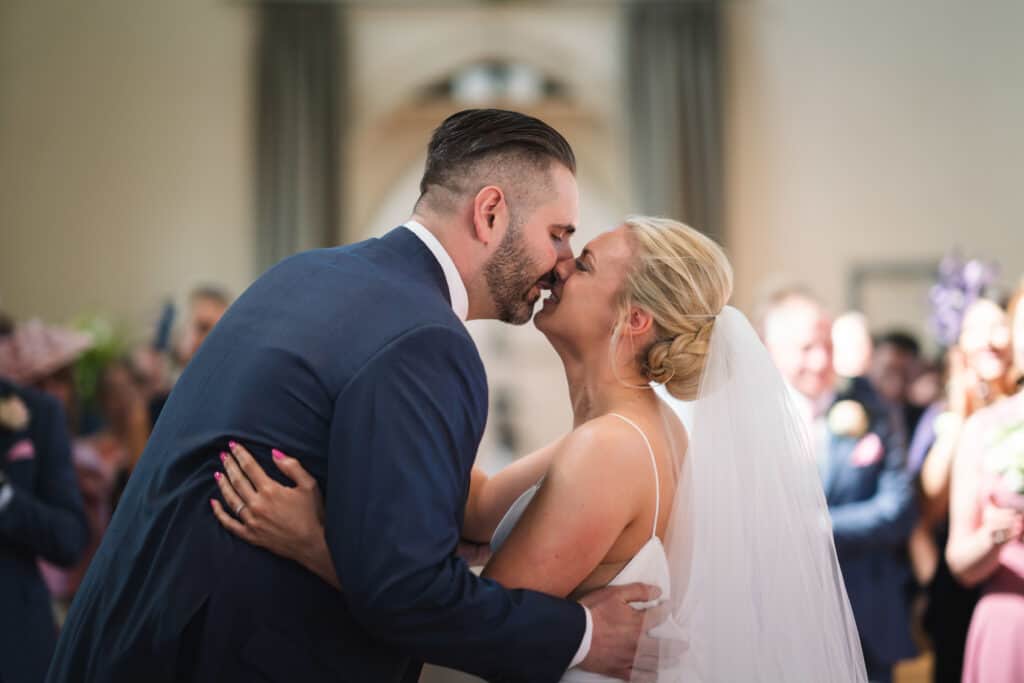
(986, 543)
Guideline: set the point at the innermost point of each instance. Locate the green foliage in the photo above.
(109, 343)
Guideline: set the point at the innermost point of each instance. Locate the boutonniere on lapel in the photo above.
(848, 418)
(1006, 456)
(14, 414)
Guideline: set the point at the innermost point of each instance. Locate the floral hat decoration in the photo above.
(960, 283)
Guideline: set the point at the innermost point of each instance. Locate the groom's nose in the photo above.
(563, 252)
(565, 269)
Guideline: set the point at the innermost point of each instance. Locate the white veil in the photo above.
(756, 588)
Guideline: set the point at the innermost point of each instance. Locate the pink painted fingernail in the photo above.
(217, 475)
(212, 505)
(232, 445)
(278, 455)
(223, 457)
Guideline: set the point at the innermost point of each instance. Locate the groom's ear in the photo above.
(490, 214)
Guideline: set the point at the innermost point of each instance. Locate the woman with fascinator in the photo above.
(728, 520)
(976, 330)
(986, 529)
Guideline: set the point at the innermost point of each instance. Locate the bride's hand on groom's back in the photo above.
(286, 520)
(619, 648)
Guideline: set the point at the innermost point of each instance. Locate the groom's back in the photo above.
(167, 576)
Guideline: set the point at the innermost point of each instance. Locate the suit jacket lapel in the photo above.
(839, 448)
(7, 437)
(7, 440)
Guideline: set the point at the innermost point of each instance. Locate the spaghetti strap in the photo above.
(654, 464)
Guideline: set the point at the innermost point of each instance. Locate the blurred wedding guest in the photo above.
(895, 364)
(151, 369)
(927, 387)
(151, 363)
(206, 305)
(852, 346)
(43, 356)
(41, 517)
(977, 375)
(987, 527)
(862, 463)
(126, 421)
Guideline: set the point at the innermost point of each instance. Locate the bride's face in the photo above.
(583, 308)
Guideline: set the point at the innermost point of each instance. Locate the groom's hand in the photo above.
(617, 628)
(475, 554)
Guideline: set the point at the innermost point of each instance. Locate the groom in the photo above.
(356, 361)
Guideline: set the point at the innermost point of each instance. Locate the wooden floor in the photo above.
(913, 671)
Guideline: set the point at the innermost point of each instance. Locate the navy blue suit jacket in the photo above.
(43, 519)
(872, 506)
(352, 360)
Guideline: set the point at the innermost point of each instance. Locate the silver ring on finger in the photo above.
(1001, 535)
(241, 507)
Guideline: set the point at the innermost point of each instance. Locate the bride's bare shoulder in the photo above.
(603, 448)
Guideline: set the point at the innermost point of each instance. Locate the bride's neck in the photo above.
(596, 389)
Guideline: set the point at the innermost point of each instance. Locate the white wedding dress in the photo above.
(649, 565)
(747, 563)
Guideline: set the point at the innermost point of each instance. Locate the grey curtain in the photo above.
(674, 109)
(298, 119)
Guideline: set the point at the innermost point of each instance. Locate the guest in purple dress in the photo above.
(987, 529)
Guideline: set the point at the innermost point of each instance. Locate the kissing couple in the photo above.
(332, 418)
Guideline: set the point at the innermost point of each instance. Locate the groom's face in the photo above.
(536, 241)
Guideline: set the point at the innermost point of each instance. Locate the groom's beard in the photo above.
(509, 279)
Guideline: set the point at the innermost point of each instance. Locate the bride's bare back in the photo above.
(596, 507)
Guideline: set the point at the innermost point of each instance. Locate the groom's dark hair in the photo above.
(477, 144)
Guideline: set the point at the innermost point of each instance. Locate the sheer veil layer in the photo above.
(756, 588)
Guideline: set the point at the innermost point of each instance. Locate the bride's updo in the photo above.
(683, 279)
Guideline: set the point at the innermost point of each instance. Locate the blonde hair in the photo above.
(684, 280)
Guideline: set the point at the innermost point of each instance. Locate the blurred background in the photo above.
(150, 148)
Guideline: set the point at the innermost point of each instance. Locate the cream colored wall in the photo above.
(867, 131)
(124, 172)
(396, 52)
(854, 132)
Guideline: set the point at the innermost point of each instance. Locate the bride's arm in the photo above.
(490, 497)
(593, 491)
(288, 521)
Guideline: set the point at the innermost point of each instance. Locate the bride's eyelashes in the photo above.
(582, 266)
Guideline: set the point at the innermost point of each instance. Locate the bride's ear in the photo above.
(638, 323)
(490, 215)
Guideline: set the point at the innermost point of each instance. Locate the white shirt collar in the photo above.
(812, 410)
(456, 287)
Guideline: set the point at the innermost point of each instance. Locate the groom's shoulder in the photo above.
(356, 275)
(365, 287)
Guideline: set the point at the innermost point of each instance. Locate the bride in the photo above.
(729, 521)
